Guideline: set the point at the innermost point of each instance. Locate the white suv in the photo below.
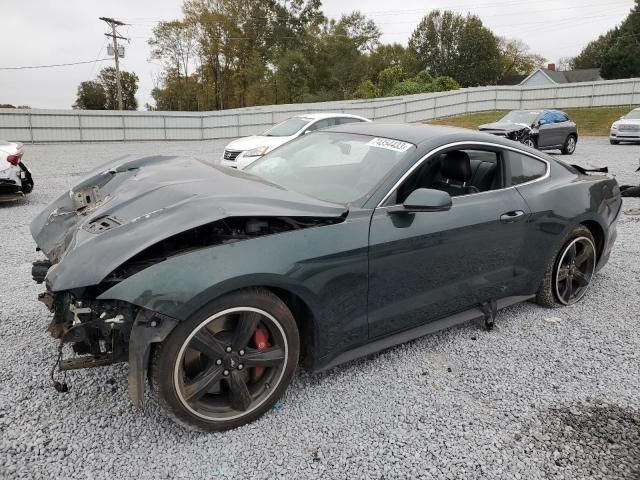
(627, 129)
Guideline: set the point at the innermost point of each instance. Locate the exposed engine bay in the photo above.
(99, 331)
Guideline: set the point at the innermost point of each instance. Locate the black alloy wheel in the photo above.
(575, 270)
(570, 270)
(228, 365)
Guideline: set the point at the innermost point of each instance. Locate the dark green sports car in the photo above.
(216, 283)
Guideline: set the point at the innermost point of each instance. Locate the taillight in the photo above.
(14, 159)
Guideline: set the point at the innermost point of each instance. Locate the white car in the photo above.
(244, 151)
(627, 129)
(15, 178)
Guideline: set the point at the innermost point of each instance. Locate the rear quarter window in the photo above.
(524, 168)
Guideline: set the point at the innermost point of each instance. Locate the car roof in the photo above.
(415, 133)
(322, 115)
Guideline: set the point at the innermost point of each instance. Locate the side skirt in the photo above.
(417, 332)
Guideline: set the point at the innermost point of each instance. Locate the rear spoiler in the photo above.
(585, 171)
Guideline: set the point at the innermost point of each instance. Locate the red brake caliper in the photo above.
(261, 339)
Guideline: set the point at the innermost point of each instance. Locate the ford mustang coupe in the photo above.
(217, 283)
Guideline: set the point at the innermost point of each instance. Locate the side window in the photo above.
(344, 120)
(558, 117)
(324, 123)
(524, 168)
(547, 118)
(457, 172)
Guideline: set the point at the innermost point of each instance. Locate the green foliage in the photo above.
(617, 52)
(594, 53)
(443, 84)
(292, 76)
(408, 87)
(622, 59)
(389, 78)
(101, 94)
(515, 58)
(235, 53)
(90, 96)
(424, 77)
(366, 89)
(129, 83)
(448, 44)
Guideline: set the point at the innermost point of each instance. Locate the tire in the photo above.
(569, 145)
(529, 142)
(614, 142)
(197, 389)
(630, 191)
(551, 290)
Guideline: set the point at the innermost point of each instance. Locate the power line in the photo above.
(54, 65)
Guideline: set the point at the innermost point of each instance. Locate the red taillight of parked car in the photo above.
(14, 159)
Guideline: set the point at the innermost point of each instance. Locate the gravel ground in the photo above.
(547, 394)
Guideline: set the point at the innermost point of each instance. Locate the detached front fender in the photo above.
(148, 328)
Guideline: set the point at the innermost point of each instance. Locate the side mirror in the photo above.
(542, 121)
(424, 200)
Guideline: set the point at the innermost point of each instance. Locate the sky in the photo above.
(44, 32)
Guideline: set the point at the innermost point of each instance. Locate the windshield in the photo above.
(335, 167)
(633, 114)
(518, 116)
(288, 127)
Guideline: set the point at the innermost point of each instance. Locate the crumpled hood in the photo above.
(121, 209)
(255, 141)
(502, 126)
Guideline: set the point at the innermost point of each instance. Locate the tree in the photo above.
(366, 89)
(129, 83)
(622, 58)
(90, 96)
(594, 53)
(391, 55)
(515, 58)
(448, 44)
(292, 77)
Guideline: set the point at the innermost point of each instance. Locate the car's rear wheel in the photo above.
(569, 145)
(229, 363)
(569, 274)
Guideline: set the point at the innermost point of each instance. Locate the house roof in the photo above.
(512, 80)
(583, 75)
(569, 76)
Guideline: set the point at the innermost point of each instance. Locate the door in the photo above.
(427, 265)
(547, 131)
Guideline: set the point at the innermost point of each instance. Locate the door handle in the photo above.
(512, 216)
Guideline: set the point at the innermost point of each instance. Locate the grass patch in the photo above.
(590, 121)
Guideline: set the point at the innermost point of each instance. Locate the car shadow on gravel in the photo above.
(592, 440)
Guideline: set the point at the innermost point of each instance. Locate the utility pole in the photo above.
(114, 35)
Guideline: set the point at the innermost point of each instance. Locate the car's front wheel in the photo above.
(614, 142)
(229, 363)
(569, 273)
(569, 145)
(529, 142)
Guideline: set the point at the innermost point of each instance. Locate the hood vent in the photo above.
(102, 224)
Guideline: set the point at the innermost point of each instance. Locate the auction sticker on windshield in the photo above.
(389, 144)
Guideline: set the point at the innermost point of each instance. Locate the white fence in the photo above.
(42, 126)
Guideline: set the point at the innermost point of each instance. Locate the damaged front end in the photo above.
(518, 132)
(124, 219)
